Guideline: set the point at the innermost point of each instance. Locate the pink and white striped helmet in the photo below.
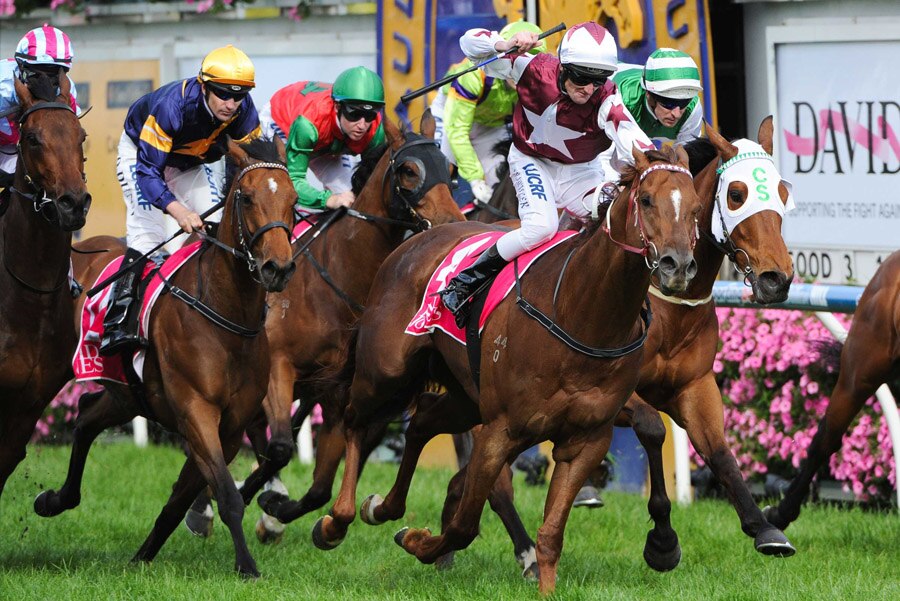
(45, 46)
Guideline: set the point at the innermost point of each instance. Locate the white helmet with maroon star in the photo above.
(589, 45)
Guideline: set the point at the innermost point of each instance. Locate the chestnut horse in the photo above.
(206, 368)
(47, 201)
(870, 357)
(676, 375)
(401, 187)
(599, 281)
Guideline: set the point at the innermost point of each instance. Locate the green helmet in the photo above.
(358, 85)
(671, 73)
(515, 27)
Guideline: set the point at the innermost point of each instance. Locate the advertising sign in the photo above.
(839, 121)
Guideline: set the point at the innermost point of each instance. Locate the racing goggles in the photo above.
(671, 103)
(224, 94)
(353, 113)
(584, 78)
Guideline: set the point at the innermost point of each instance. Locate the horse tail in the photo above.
(829, 352)
(332, 382)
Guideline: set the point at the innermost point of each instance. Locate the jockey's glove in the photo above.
(481, 191)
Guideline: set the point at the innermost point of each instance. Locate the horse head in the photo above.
(259, 209)
(666, 207)
(51, 153)
(751, 199)
(418, 178)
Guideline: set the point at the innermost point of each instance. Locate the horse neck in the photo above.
(604, 286)
(709, 257)
(29, 240)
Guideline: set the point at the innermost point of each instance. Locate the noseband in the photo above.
(38, 198)
(649, 250)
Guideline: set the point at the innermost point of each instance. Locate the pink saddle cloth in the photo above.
(88, 363)
(432, 313)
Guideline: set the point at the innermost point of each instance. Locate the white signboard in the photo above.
(839, 144)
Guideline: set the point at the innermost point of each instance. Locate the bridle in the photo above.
(408, 200)
(648, 250)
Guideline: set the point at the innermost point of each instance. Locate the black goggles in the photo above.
(355, 113)
(584, 79)
(671, 103)
(224, 94)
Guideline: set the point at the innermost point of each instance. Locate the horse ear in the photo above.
(427, 125)
(24, 94)
(725, 148)
(764, 136)
(279, 146)
(640, 159)
(237, 153)
(683, 158)
(394, 136)
(65, 86)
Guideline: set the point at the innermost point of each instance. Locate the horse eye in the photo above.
(735, 196)
(32, 139)
(646, 200)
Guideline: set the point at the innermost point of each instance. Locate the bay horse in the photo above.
(869, 358)
(401, 187)
(47, 201)
(599, 281)
(206, 368)
(677, 372)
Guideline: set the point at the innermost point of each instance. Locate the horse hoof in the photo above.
(250, 573)
(270, 501)
(200, 524)
(367, 510)
(47, 504)
(269, 531)
(318, 536)
(661, 560)
(444, 562)
(531, 573)
(398, 537)
(527, 560)
(772, 541)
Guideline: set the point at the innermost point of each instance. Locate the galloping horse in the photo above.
(870, 357)
(401, 187)
(206, 369)
(46, 203)
(676, 375)
(596, 283)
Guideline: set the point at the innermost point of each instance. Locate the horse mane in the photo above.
(700, 153)
(43, 87)
(261, 149)
(665, 154)
(368, 161)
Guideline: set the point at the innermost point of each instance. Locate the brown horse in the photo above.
(562, 394)
(402, 187)
(677, 372)
(47, 201)
(870, 357)
(206, 369)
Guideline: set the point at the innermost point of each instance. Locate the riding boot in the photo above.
(120, 327)
(469, 281)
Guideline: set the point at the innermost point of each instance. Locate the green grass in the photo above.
(84, 554)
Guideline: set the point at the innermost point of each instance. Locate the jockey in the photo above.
(568, 113)
(662, 96)
(44, 50)
(170, 161)
(328, 125)
(475, 115)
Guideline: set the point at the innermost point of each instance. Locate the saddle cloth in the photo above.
(88, 363)
(432, 313)
(303, 225)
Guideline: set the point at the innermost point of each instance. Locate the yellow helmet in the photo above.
(228, 68)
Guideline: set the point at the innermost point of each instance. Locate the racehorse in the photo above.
(598, 281)
(401, 187)
(47, 201)
(870, 357)
(206, 368)
(676, 375)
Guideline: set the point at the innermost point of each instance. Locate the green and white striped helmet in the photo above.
(671, 73)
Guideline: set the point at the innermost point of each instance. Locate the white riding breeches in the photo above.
(542, 187)
(483, 141)
(8, 159)
(198, 188)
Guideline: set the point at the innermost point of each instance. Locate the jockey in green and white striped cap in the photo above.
(672, 74)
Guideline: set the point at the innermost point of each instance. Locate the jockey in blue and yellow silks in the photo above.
(171, 160)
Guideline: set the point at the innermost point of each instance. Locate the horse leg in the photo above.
(491, 451)
(16, 428)
(97, 411)
(698, 408)
(661, 551)
(574, 463)
(861, 373)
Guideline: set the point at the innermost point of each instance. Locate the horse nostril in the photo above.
(773, 281)
(691, 270)
(668, 264)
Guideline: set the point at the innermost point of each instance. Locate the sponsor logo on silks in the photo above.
(534, 181)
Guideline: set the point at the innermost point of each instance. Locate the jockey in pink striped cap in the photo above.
(43, 50)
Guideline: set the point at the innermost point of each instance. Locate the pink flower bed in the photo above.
(775, 390)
